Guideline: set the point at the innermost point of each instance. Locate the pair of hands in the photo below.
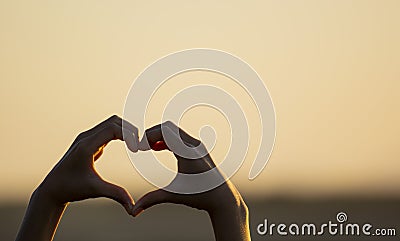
(75, 178)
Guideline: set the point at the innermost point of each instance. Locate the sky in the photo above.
(331, 67)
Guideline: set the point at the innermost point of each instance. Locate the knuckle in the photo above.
(82, 148)
(122, 192)
(114, 118)
(169, 123)
(114, 129)
(80, 136)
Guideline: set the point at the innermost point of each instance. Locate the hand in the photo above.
(75, 178)
(224, 204)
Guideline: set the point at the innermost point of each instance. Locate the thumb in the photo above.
(151, 199)
(116, 193)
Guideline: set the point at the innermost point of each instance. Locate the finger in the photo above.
(116, 193)
(166, 138)
(187, 139)
(101, 138)
(191, 159)
(151, 199)
(112, 119)
(131, 139)
(126, 124)
(194, 166)
(159, 146)
(109, 132)
(155, 134)
(131, 136)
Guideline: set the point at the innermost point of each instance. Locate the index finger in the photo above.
(174, 139)
(156, 134)
(109, 132)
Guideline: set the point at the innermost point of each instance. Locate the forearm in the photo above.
(41, 218)
(231, 224)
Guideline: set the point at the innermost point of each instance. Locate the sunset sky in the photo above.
(332, 69)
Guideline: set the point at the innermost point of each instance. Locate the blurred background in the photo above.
(331, 67)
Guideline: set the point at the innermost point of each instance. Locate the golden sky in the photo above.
(332, 69)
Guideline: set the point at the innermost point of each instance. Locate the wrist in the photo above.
(44, 194)
(231, 223)
(41, 217)
(231, 209)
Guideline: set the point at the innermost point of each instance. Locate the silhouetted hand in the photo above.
(75, 178)
(224, 204)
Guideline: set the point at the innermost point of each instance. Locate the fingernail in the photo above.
(159, 146)
(137, 212)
